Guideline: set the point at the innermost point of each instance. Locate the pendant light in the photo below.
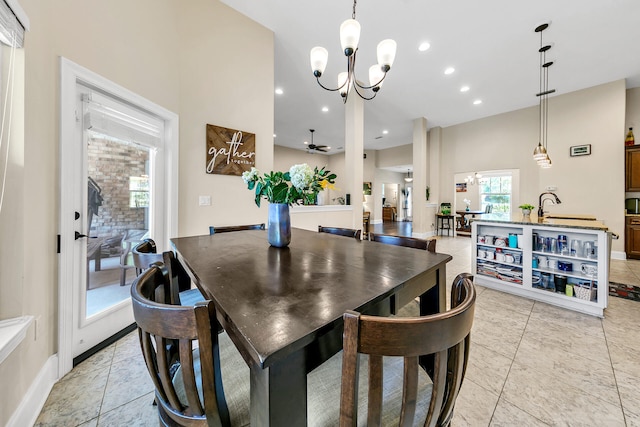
(541, 153)
(408, 178)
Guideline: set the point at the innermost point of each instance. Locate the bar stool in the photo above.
(444, 219)
(444, 222)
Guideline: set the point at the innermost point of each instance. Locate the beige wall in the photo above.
(589, 184)
(180, 55)
(632, 116)
(395, 156)
(226, 79)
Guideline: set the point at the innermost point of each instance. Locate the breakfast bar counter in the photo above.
(560, 261)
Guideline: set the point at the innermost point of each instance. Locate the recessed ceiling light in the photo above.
(274, 135)
(325, 109)
(449, 70)
(477, 102)
(384, 132)
(464, 89)
(306, 143)
(424, 46)
(279, 91)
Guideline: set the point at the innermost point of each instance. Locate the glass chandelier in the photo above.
(349, 38)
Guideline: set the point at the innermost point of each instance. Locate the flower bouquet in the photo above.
(300, 185)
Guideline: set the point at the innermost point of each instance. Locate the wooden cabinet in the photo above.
(632, 162)
(632, 237)
(388, 214)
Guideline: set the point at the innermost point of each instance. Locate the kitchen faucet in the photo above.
(541, 202)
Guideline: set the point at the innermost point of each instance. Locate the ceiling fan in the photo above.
(311, 147)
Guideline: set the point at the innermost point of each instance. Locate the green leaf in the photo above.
(251, 185)
(280, 193)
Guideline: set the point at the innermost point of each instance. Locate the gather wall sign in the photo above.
(229, 151)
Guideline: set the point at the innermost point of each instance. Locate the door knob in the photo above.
(78, 235)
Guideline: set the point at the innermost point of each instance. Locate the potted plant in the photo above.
(526, 209)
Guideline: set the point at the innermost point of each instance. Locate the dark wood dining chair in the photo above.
(410, 242)
(445, 335)
(214, 230)
(349, 232)
(188, 383)
(144, 254)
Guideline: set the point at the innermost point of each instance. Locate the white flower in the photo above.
(248, 176)
(467, 201)
(301, 176)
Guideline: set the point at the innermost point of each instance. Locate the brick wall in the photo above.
(111, 163)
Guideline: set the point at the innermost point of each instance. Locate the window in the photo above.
(495, 191)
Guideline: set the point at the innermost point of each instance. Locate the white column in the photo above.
(435, 141)
(421, 224)
(353, 152)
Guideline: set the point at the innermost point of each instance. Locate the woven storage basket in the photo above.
(587, 294)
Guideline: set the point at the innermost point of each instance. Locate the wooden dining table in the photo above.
(283, 307)
(464, 225)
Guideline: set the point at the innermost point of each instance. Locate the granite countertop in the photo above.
(518, 218)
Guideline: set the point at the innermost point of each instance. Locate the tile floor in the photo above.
(531, 364)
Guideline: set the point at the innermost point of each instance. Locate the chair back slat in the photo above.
(168, 334)
(456, 364)
(374, 398)
(163, 366)
(178, 278)
(410, 242)
(439, 388)
(348, 232)
(409, 391)
(230, 228)
(444, 335)
(194, 406)
(148, 352)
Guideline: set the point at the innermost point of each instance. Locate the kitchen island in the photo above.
(563, 262)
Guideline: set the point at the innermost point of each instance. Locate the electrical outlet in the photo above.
(551, 188)
(204, 201)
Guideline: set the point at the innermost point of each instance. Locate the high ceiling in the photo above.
(491, 44)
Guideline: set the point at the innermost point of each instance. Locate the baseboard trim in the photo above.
(33, 401)
(104, 344)
(618, 255)
(423, 235)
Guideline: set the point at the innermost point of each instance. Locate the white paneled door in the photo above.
(117, 177)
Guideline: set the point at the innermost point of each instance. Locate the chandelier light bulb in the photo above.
(319, 57)
(386, 53)
(349, 36)
(375, 77)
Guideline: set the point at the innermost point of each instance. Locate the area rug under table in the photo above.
(624, 291)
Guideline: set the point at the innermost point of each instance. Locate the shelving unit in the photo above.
(520, 277)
